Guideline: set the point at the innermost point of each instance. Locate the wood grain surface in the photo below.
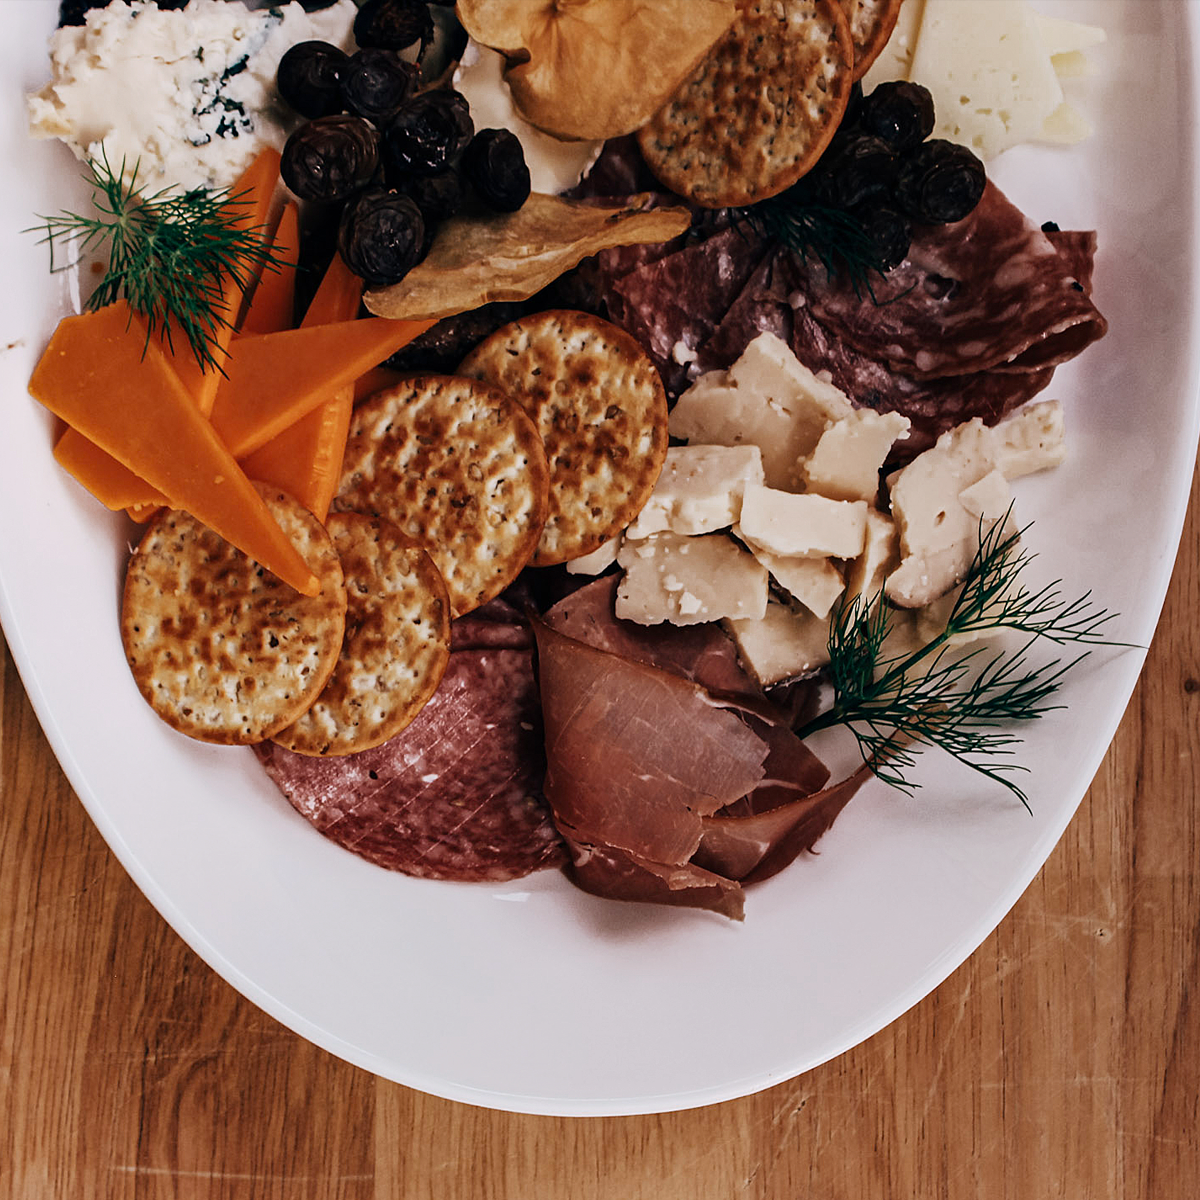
(1062, 1060)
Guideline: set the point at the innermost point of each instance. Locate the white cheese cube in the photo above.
(880, 556)
(687, 580)
(783, 643)
(987, 499)
(766, 399)
(987, 68)
(789, 524)
(938, 536)
(599, 560)
(815, 582)
(699, 490)
(845, 464)
(1031, 439)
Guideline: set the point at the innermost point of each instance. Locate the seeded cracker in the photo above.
(459, 467)
(222, 649)
(761, 108)
(601, 410)
(396, 646)
(871, 24)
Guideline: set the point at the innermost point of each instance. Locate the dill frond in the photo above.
(963, 702)
(170, 253)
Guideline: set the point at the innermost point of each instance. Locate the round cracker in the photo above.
(222, 649)
(871, 23)
(600, 408)
(460, 468)
(396, 646)
(761, 108)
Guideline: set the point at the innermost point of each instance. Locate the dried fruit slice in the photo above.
(595, 69)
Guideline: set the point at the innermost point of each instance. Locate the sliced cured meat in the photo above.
(674, 304)
(700, 653)
(988, 292)
(1077, 249)
(497, 625)
(620, 170)
(751, 842)
(455, 796)
(775, 299)
(636, 756)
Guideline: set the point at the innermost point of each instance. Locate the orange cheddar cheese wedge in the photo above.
(271, 304)
(274, 379)
(306, 458)
(99, 376)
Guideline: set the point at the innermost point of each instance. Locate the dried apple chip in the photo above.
(596, 69)
(475, 260)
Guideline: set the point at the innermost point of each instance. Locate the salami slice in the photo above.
(455, 796)
(988, 292)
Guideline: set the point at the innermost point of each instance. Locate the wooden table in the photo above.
(1063, 1059)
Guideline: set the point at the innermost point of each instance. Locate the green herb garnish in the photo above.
(835, 238)
(170, 253)
(962, 702)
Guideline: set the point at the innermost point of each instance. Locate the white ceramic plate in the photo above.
(534, 997)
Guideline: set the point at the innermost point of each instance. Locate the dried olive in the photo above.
(856, 167)
(437, 196)
(940, 182)
(888, 231)
(494, 164)
(381, 236)
(430, 131)
(330, 158)
(899, 112)
(375, 83)
(309, 78)
(393, 24)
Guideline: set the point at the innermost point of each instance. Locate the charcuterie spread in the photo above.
(545, 418)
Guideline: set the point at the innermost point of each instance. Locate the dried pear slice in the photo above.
(596, 69)
(477, 259)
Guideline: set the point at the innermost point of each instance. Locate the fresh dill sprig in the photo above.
(170, 253)
(964, 703)
(832, 236)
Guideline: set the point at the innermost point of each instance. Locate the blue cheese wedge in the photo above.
(689, 580)
(699, 490)
(188, 95)
(788, 523)
(766, 399)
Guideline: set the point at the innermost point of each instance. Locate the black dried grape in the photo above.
(330, 158)
(309, 78)
(899, 112)
(428, 134)
(940, 182)
(393, 24)
(437, 196)
(888, 232)
(381, 236)
(375, 83)
(494, 164)
(854, 168)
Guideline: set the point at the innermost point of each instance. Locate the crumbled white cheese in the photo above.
(699, 490)
(188, 95)
(554, 165)
(846, 461)
(687, 580)
(783, 643)
(815, 582)
(806, 524)
(880, 555)
(1031, 439)
(766, 399)
(938, 535)
(598, 560)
